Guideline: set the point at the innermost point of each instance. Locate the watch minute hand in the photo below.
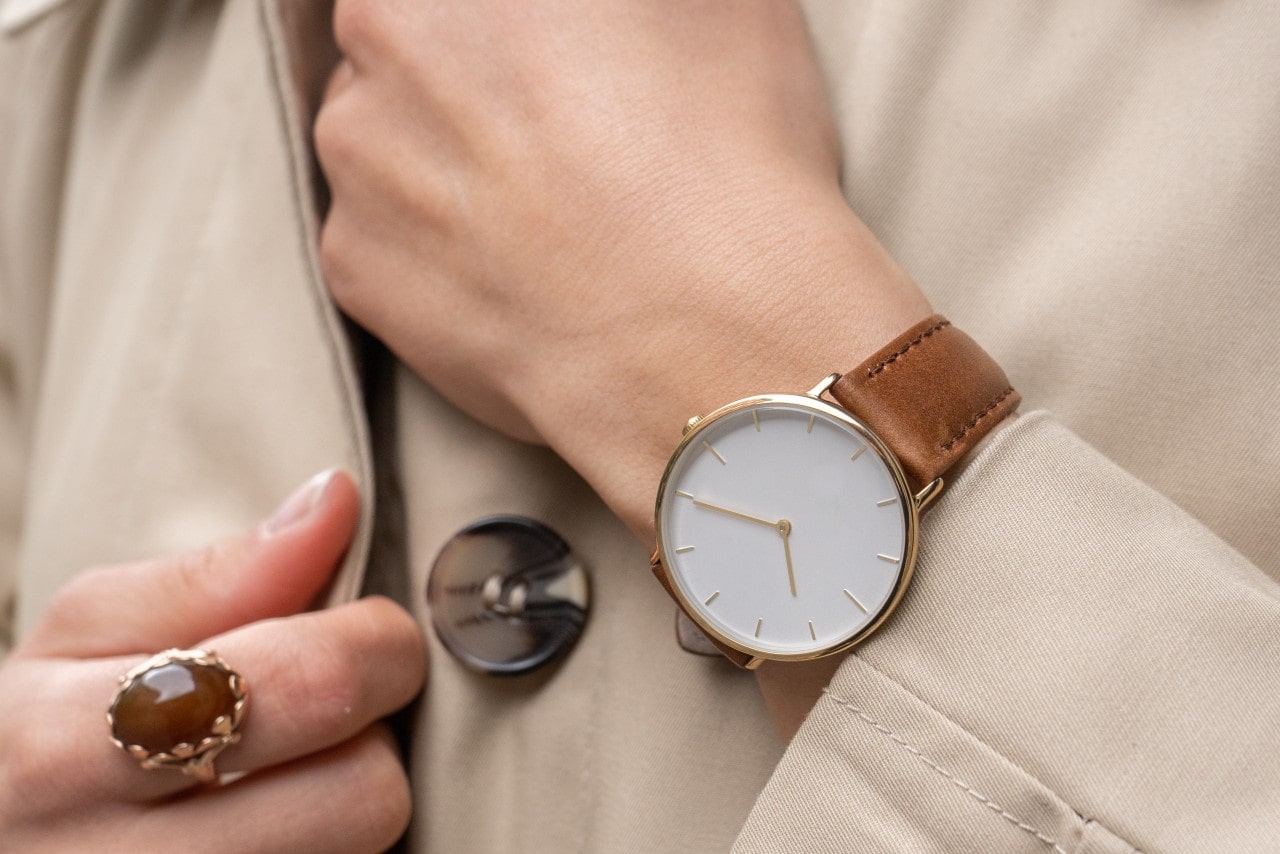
(697, 502)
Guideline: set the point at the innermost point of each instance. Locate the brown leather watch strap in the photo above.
(931, 394)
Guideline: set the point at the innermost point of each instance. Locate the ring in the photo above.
(178, 709)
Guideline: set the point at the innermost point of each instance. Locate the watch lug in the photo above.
(655, 559)
(931, 491)
(827, 382)
(690, 424)
(753, 662)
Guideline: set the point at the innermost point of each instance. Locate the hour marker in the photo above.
(755, 417)
(858, 452)
(888, 559)
(711, 598)
(809, 429)
(759, 623)
(886, 502)
(714, 451)
(812, 633)
(683, 494)
(861, 607)
(684, 549)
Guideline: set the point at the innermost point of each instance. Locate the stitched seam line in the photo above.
(973, 422)
(956, 781)
(898, 354)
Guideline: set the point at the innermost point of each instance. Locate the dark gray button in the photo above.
(507, 595)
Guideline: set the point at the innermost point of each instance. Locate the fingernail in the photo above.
(299, 505)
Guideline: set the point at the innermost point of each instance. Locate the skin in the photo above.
(583, 222)
(319, 683)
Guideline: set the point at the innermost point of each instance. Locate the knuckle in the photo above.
(191, 570)
(77, 598)
(354, 24)
(330, 134)
(321, 676)
(201, 574)
(77, 607)
(336, 269)
(331, 683)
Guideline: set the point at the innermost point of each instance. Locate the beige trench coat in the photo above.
(1088, 659)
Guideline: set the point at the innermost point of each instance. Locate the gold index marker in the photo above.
(861, 607)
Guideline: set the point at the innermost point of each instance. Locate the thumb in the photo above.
(179, 600)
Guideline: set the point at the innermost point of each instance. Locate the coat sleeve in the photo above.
(1078, 666)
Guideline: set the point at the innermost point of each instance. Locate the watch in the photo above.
(788, 524)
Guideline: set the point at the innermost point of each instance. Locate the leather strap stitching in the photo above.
(893, 357)
(973, 422)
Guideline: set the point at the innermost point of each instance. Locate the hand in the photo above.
(326, 776)
(585, 221)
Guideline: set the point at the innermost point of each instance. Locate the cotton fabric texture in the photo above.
(1087, 658)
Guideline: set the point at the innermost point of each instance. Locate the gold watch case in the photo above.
(912, 504)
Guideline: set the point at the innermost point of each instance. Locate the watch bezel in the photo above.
(907, 500)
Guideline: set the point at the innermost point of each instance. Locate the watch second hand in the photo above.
(697, 502)
(784, 528)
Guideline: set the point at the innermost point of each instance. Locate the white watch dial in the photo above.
(783, 527)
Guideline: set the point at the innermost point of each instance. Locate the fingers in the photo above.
(353, 798)
(179, 600)
(333, 674)
(341, 76)
(314, 680)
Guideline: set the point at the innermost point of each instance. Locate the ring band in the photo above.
(178, 709)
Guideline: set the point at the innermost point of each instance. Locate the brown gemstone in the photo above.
(175, 703)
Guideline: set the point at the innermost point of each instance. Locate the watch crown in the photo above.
(690, 424)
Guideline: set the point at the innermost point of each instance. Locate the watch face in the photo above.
(786, 526)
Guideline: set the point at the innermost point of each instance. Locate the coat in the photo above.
(1088, 656)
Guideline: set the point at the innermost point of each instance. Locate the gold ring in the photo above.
(178, 709)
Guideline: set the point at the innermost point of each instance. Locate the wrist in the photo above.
(772, 305)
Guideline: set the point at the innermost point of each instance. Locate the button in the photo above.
(507, 595)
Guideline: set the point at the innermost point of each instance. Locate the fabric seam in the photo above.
(953, 779)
